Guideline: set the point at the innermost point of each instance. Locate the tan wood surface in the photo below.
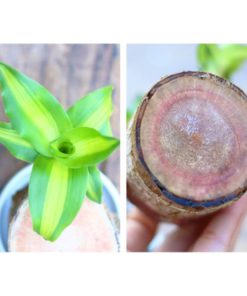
(69, 72)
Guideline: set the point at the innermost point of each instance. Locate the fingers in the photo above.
(140, 231)
(215, 233)
(222, 231)
(183, 237)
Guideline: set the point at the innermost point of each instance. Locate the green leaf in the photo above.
(83, 146)
(231, 58)
(223, 60)
(93, 110)
(133, 107)
(17, 146)
(94, 186)
(56, 193)
(6, 125)
(34, 113)
(106, 129)
(207, 55)
(206, 52)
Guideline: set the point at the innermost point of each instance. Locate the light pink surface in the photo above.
(193, 138)
(91, 231)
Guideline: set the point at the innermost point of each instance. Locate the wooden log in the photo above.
(91, 231)
(187, 147)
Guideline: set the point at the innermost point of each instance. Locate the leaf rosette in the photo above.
(65, 147)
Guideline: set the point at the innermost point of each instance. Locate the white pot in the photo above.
(21, 180)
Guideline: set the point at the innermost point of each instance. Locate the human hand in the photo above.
(217, 233)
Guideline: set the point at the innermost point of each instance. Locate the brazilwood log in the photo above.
(187, 147)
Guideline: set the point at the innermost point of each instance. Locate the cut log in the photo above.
(91, 231)
(187, 147)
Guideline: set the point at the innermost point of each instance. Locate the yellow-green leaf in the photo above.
(34, 113)
(56, 193)
(222, 60)
(83, 146)
(93, 110)
(94, 186)
(106, 129)
(17, 146)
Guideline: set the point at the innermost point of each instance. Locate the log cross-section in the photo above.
(187, 147)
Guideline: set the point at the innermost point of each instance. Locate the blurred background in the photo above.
(68, 71)
(146, 64)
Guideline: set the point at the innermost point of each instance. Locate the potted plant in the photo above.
(64, 147)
